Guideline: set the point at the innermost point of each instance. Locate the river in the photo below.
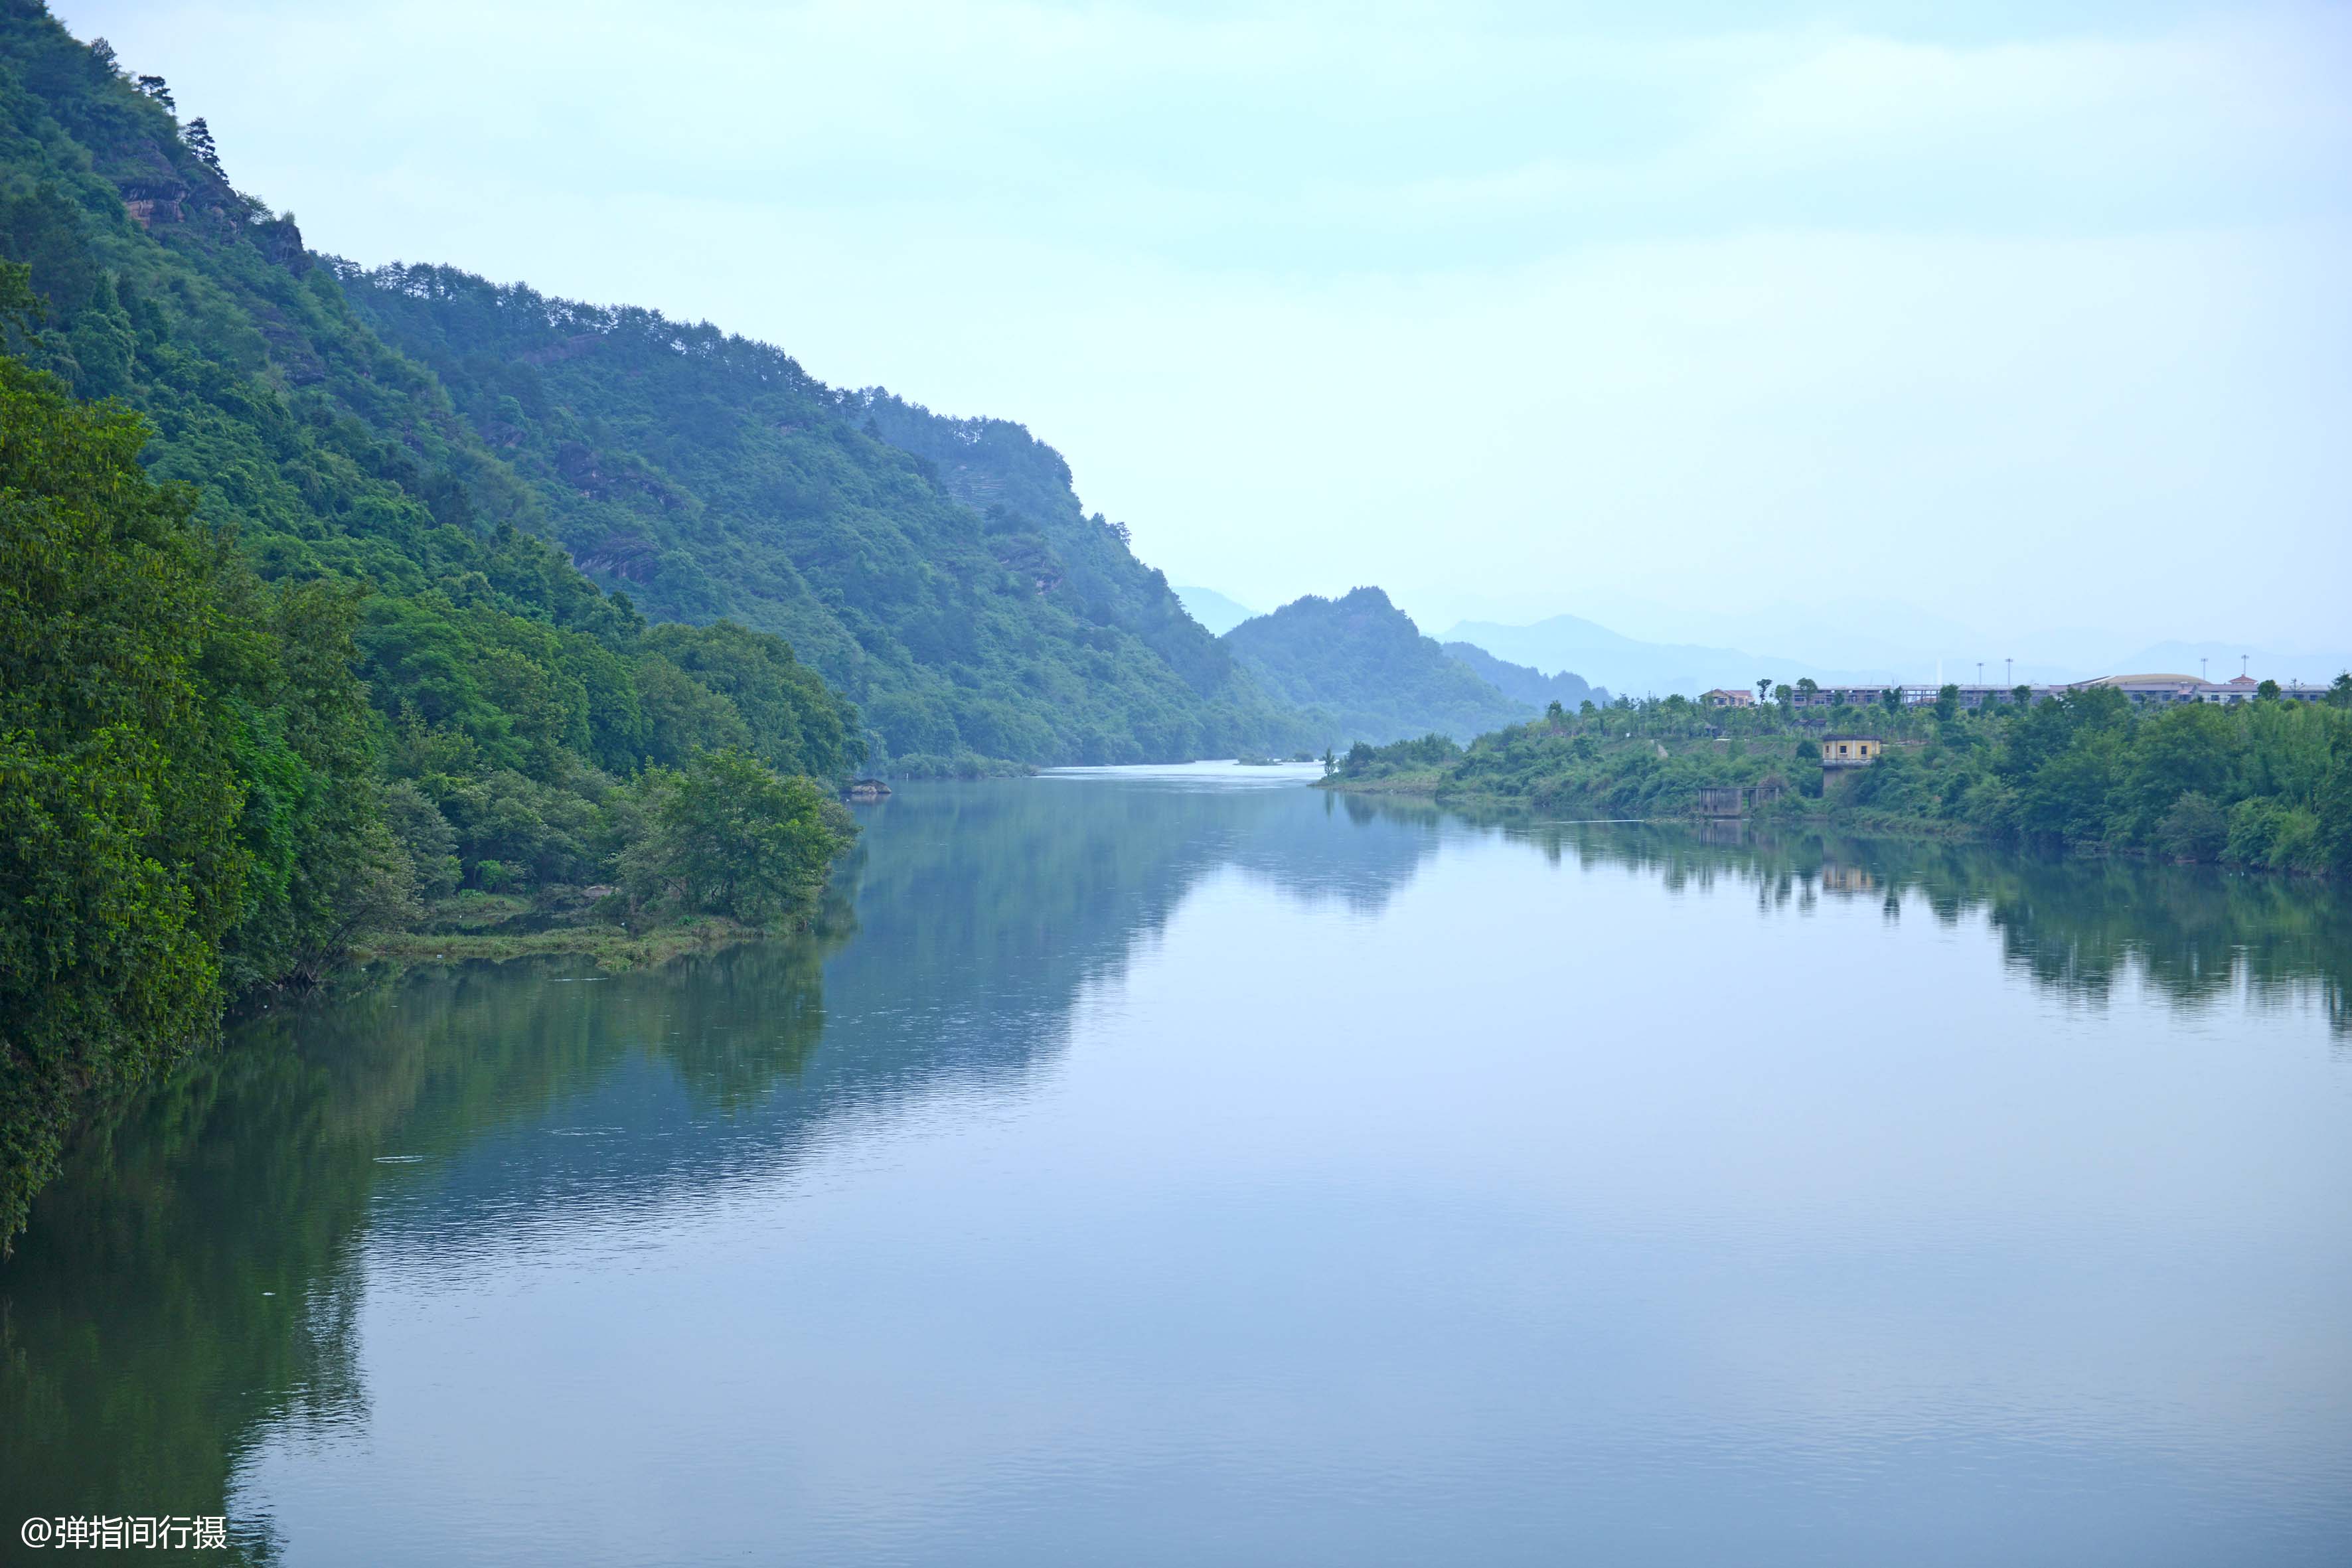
(1187, 1166)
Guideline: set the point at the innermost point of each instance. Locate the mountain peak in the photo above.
(1365, 672)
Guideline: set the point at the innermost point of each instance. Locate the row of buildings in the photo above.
(2144, 690)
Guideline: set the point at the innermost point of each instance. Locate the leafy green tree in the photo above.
(121, 867)
(726, 835)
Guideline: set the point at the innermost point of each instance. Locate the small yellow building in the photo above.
(1850, 751)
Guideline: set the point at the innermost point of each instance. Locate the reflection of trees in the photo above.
(986, 910)
(140, 1359)
(2195, 933)
(192, 1278)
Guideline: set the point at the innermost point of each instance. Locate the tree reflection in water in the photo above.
(191, 1287)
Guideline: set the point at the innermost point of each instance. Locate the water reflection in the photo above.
(2194, 933)
(192, 1279)
(192, 1289)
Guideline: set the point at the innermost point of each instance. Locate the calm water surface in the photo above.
(1195, 1168)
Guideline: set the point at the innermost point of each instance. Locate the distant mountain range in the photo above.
(1642, 669)
(1627, 664)
(1212, 609)
(1362, 672)
(1524, 683)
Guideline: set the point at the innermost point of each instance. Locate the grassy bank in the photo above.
(609, 946)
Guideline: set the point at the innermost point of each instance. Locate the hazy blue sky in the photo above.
(1701, 320)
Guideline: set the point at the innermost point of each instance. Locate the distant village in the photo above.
(2144, 690)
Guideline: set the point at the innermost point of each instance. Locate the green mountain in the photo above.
(331, 457)
(295, 642)
(1364, 672)
(941, 571)
(1524, 683)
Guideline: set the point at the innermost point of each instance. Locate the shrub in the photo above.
(2194, 829)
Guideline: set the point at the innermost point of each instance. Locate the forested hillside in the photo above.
(1365, 672)
(285, 654)
(941, 571)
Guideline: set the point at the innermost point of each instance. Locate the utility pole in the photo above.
(1979, 672)
(2202, 678)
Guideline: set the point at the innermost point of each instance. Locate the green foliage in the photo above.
(2194, 829)
(726, 835)
(941, 571)
(1364, 672)
(2264, 784)
(1365, 760)
(336, 459)
(336, 585)
(186, 794)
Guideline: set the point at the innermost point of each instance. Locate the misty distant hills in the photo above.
(1524, 683)
(1362, 672)
(1212, 609)
(1630, 664)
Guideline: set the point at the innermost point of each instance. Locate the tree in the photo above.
(725, 835)
(2268, 691)
(154, 88)
(121, 870)
(199, 138)
(188, 803)
(1948, 702)
(2339, 690)
(1763, 686)
(1891, 699)
(1783, 693)
(1807, 689)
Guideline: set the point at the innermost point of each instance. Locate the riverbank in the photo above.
(2265, 785)
(609, 946)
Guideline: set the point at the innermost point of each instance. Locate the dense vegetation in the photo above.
(185, 790)
(2262, 784)
(941, 571)
(285, 656)
(1364, 672)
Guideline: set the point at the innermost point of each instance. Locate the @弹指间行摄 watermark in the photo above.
(125, 1533)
